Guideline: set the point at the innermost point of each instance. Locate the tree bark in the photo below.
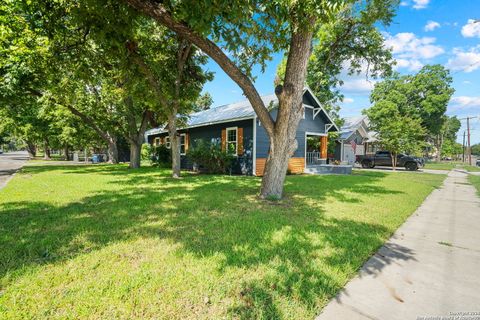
(439, 146)
(46, 151)
(135, 135)
(31, 149)
(65, 151)
(135, 155)
(174, 145)
(112, 149)
(283, 142)
(393, 155)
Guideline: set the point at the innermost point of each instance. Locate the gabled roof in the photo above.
(351, 125)
(232, 112)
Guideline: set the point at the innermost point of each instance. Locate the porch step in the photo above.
(328, 169)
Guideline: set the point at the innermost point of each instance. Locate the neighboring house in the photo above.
(355, 140)
(236, 126)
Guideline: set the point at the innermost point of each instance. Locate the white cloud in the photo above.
(420, 4)
(348, 100)
(404, 3)
(471, 29)
(464, 102)
(466, 61)
(431, 25)
(358, 85)
(410, 64)
(466, 82)
(407, 45)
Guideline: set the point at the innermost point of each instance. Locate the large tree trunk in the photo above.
(282, 141)
(174, 145)
(65, 152)
(136, 135)
(112, 149)
(31, 149)
(46, 151)
(135, 155)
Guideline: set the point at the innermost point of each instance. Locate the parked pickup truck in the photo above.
(383, 158)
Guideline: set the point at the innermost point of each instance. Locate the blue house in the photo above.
(236, 125)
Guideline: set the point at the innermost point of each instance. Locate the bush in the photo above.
(210, 158)
(160, 156)
(145, 154)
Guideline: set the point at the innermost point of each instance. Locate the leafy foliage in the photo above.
(160, 156)
(210, 157)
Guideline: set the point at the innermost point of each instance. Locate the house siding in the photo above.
(308, 124)
(212, 134)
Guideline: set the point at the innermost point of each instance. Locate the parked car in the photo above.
(384, 158)
(478, 163)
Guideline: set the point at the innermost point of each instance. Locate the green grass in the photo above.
(475, 180)
(471, 168)
(105, 242)
(440, 165)
(450, 166)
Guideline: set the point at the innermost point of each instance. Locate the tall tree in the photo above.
(251, 33)
(423, 96)
(397, 132)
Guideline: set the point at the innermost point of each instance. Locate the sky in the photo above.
(423, 32)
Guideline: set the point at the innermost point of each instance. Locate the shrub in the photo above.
(146, 151)
(161, 156)
(210, 158)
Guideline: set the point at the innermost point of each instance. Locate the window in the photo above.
(156, 142)
(303, 112)
(167, 142)
(182, 144)
(232, 140)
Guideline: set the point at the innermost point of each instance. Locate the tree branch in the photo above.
(158, 12)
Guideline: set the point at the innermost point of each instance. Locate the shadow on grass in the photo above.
(207, 215)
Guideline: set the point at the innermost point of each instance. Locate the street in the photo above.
(9, 163)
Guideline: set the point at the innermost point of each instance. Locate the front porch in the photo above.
(316, 157)
(316, 146)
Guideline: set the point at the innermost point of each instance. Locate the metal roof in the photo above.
(230, 112)
(238, 110)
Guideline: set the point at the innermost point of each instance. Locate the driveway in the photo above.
(429, 269)
(9, 163)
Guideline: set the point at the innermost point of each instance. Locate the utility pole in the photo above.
(468, 142)
(469, 150)
(463, 147)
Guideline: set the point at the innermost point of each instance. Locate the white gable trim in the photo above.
(321, 106)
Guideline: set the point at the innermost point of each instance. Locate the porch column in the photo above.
(323, 147)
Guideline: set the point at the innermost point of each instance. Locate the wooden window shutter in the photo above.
(224, 139)
(240, 141)
(187, 141)
(161, 140)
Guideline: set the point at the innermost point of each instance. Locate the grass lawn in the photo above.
(450, 166)
(475, 180)
(440, 165)
(105, 242)
(471, 168)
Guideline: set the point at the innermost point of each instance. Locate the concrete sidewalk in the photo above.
(430, 267)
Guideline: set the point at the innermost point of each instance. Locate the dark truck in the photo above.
(384, 158)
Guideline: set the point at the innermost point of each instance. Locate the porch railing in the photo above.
(313, 157)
